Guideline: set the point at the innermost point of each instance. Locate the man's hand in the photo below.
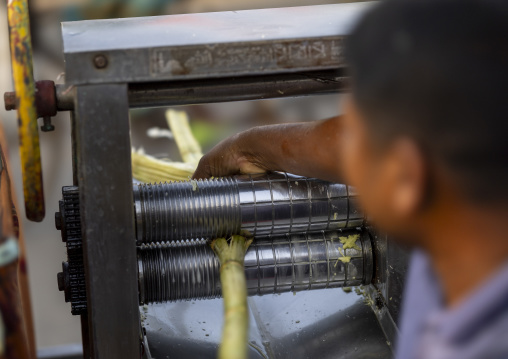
(307, 149)
(229, 158)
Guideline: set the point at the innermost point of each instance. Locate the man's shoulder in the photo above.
(476, 328)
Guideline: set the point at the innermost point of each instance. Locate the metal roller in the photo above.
(268, 204)
(294, 262)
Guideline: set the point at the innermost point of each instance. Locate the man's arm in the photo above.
(307, 149)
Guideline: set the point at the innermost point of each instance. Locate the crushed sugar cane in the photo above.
(231, 254)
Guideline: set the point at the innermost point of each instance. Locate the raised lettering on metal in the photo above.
(225, 58)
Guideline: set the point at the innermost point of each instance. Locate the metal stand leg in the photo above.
(103, 161)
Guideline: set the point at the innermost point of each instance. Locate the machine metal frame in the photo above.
(103, 168)
(114, 65)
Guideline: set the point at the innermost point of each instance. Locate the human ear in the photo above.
(409, 177)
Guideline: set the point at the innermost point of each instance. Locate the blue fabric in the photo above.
(476, 328)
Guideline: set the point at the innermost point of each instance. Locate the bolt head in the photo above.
(10, 101)
(100, 61)
(58, 221)
(47, 128)
(61, 281)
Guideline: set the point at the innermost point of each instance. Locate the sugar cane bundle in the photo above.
(146, 168)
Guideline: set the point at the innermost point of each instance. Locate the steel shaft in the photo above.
(267, 204)
(274, 264)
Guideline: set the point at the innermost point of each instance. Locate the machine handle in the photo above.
(24, 86)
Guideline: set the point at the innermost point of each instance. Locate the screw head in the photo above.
(58, 221)
(100, 61)
(10, 101)
(47, 128)
(61, 281)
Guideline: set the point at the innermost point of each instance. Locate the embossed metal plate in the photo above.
(211, 45)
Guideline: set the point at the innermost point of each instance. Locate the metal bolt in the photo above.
(47, 126)
(61, 281)
(100, 61)
(10, 101)
(58, 221)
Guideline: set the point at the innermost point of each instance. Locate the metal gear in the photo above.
(72, 278)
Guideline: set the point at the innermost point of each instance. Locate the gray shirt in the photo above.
(476, 328)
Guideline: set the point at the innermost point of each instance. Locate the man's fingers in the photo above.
(249, 168)
(226, 159)
(199, 175)
(203, 170)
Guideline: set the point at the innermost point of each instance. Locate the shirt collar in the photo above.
(478, 310)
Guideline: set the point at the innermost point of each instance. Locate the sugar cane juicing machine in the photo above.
(139, 270)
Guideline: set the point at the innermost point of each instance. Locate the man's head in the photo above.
(427, 121)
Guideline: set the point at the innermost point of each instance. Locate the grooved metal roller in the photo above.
(274, 264)
(267, 204)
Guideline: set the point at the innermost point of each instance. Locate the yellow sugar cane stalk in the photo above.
(231, 255)
(22, 73)
(189, 148)
(149, 169)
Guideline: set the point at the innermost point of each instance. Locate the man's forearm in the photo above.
(308, 149)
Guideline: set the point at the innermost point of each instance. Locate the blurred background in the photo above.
(210, 123)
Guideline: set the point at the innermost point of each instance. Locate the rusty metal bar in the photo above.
(51, 97)
(21, 55)
(236, 89)
(14, 342)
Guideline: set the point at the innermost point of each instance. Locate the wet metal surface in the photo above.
(391, 263)
(321, 324)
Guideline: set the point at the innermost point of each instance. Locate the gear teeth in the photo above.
(69, 220)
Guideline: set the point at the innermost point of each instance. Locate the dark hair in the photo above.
(437, 70)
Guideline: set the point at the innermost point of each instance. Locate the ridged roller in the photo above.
(266, 204)
(274, 264)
